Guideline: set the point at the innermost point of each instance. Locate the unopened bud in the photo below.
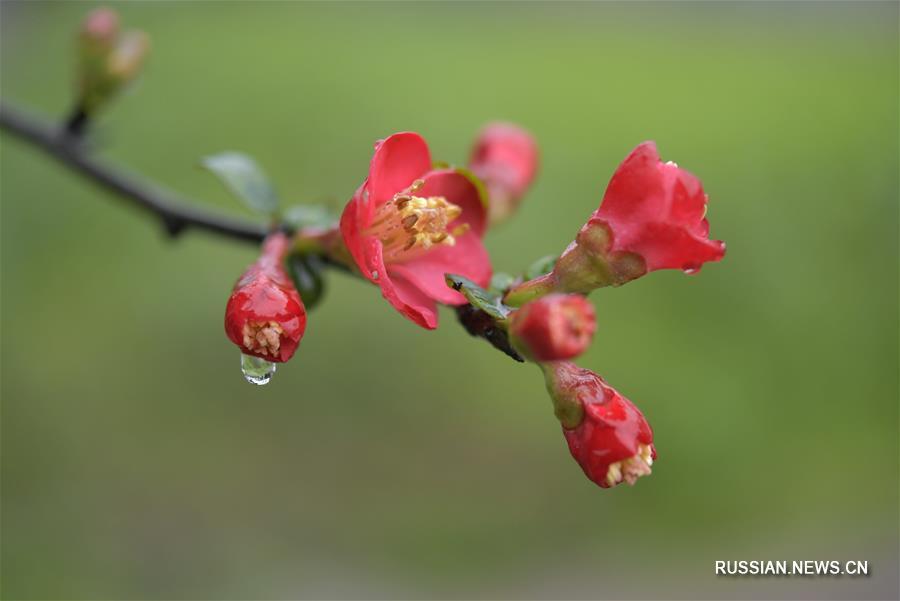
(607, 434)
(108, 59)
(505, 157)
(553, 327)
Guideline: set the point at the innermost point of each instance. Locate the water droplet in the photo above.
(374, 275)
(691, 270)
(257, 371)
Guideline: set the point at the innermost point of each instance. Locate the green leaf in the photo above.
(244, 178)
(301, 217)
(489, 302)
(542, 266)
(306, 272)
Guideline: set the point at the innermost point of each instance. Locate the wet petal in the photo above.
(399, 160)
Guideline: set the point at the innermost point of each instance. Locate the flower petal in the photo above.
(412, 302)
(355, 214)
(403, 295)
(635, 193)
(398, 161)
(467, 258)
(666, 246)
(685, 196)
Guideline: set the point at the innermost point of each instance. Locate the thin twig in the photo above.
(176, 214)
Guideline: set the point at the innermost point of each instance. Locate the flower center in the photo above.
(632, 468)
(409, 225)
(263, 337)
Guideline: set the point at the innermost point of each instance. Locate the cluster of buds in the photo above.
(108, 58)
(653, 216)
(410, 224)
(414, 228)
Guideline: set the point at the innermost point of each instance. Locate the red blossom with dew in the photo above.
(265, 316)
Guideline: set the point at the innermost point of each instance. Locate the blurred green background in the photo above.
(388, 461)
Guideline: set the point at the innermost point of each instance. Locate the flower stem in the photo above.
(527, 291)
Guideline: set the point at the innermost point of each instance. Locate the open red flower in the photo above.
(658, 211)
(505, 157)
(265, 316)
(607, 435)
(409, 224)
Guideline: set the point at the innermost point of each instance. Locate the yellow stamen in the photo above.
(263, 337)
(632, 468)
(409, 225)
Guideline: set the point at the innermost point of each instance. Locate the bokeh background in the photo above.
(387, 461)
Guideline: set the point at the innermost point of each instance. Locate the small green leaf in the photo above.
(301, 217)
(501, 281)
(489, 302)
(306, 272)
(244, 178)
(542, 266)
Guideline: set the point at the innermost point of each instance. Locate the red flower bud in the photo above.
(607, 435)
(265, 316)
(554, 327)
(505, 158)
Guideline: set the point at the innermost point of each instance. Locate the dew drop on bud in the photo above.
(691, 269)
(257, 371)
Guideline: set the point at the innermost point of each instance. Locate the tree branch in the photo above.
(176, 214)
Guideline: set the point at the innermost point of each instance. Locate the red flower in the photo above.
(505, 157)
(607, 435)
(264, 315)
(653, 216)
(408, 225)
(553, 327)
(658, 211)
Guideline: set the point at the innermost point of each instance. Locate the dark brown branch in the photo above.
(176, 214)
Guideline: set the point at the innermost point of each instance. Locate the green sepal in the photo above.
(245, 179)
(306, 273)
(489, 302)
